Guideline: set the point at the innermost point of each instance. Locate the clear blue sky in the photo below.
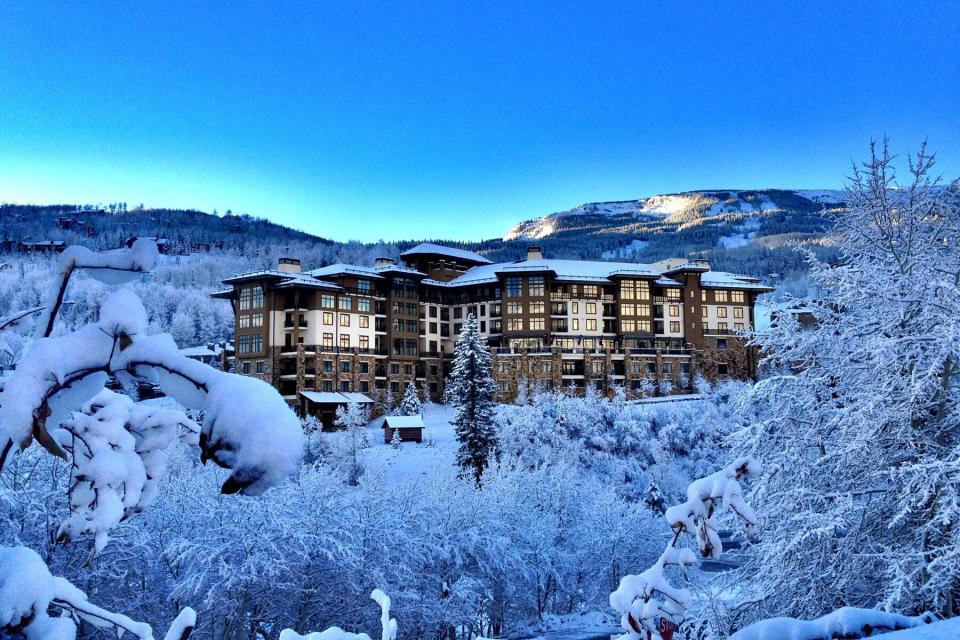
(455, 120)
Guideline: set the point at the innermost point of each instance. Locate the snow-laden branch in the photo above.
(388, 625)
(28, 591)
(648, 600)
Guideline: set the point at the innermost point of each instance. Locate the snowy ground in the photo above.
(439, 446)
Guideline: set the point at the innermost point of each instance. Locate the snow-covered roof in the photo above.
(335, 397)
(398, 268)
(724, 280)
(404, 422)
(564, 270)
(345, 269)
(664, 281)
(429, 248)
(260, 273)
(199, 352)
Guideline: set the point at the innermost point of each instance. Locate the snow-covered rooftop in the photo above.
(436, 249)
(404, 422)
(341, 269)
(724, 280)
(335, 397)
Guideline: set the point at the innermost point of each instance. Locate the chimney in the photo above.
(289, 265)
(383, 262)
(534, 253)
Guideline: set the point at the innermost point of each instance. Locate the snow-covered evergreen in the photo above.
(410, 405)
(471, 389)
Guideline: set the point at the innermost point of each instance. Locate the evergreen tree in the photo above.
(471, 390)
(410, 405)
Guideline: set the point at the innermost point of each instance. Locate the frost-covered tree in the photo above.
(410, 405)
(471, 390)
(353, 418)
(860, 424)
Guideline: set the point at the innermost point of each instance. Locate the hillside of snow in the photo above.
(680, 207)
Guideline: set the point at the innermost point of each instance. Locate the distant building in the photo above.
(555, 324)
(324, 404)
(42, 246)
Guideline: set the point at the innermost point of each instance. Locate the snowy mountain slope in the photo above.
(679, 207)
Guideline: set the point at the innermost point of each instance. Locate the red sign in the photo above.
(667, 628)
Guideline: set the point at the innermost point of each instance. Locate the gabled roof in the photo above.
(428, 248)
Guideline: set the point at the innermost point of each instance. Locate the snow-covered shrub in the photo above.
(388, 630)
(28, 591)
(647, 601)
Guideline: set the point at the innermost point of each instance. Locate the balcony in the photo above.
(724, 332)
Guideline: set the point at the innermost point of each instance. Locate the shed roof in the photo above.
(404, 422)
(335, 397)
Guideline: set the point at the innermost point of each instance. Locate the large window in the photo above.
(364, 322)
(243, 344)
(363, 305)
(592, 308)
(591, 324)
(514, 308)
(363, 286)
(720, 296)
(537, 324)
(673, 294)
(674, 311)
(364, 342)
(634, 290)
(346, 302)
(514, 287)
(535, 285)
(344, 319)
(344, 340)
(538, 307)
(328, 318)
(738, 312)
(721, 312)
(674, 327)
(328, 339)
(515, 324)
(589, 291)
(737, 296)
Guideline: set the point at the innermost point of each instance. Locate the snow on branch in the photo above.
(648, 602)
(388, 625)
(116, 447)
(846, 623)
(28, 592)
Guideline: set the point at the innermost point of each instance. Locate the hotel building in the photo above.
(550, 323)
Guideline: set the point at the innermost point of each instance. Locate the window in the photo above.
(433, 327)
(364, 342)
(433, 311)
(673, 294)
(721, 312)
(328, 318)
(720, 296)
(495, 326)
(651, 367)
(685, 367)
(668, 367)
(674, 311)
(344, 366)
(674, 326)
(457, 313)
(345, 386)
(456, 328)
(363, 305)
(364, 386)
(643, 326)
(408, 369)
(703, 295)
(346, 302)
(398, 308)
(363, 286)
(589, 290)
(737, 296)
(591, 324)
(256, 343)
(328, 339)
(636, 366)
(257, 297)
(575, 307)
(547, 366)
(596, 367)
(535, 285)
(344, 319)
(245, 368)
(328, 366)
(538, 307)
(575, 324)
(722, 368)
(326, 300)
(738, 326)
(327, 385)
(514, 308)
(721, 343)
(394, 369)
(634, 290)
(738, 312)
(537, 324)
(246, 297)
(514, 287)
(722, 326)
(628, 309)
(364, 322)
(261, 366)
(706, 311)
(515, 324)
(244, 322)
(483, 326)
(344, 341)
(628, 326)
(592, 308)
(412, 310)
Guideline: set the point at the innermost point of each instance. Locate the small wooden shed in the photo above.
(324, 404)
(410, 428)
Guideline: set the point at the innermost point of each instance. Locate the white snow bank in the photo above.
(848, 622)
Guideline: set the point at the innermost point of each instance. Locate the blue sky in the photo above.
(359, 120)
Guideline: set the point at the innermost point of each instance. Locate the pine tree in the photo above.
(354, 417)
(395, 439)
(471, 390)
(410, 405)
